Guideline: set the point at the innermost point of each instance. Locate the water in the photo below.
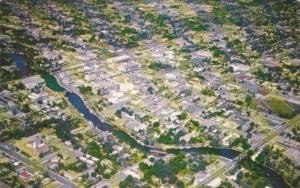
(224, 152)
(79, 105)
(276, 180)
(20, 61)
(52, 83)
(76, 101)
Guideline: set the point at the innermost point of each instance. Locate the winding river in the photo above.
(80, 106)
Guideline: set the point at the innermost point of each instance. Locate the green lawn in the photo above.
(280, 107)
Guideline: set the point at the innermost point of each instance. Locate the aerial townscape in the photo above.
(150, 93)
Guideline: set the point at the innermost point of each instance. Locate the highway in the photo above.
(53, 175)
(239, 158)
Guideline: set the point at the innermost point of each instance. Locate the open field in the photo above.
(278, 106)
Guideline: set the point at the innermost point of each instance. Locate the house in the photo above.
(33, 83)
(25, 176)
(38, 144)
(10, 68)
(135, 126)
(54, 166)
(90, 77)
(132, 172)
(295, 62)
(184, 90)
(103, 91)
(42, 148)
(191, 107)
(119, 59)
(249, 82)
(129, 67)
(199, 61)
(212, 79)
(271, 63)
(239, 67)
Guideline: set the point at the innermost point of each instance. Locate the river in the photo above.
(20, 61)
(276, 180)
(80, 106)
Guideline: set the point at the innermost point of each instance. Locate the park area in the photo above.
(278, 106)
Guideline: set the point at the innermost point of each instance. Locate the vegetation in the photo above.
(280, 107)
(94, 149)
(170, 137)
(239, 32)
(225, 184)
(85, 90)
(158, 66)
(273, 157)
(165, 171)
(16, 132)
(217, 52)
(221, 16)
(130, 182)
(254, 176)
(208, 92)
(240, 142)
(296, 133)
(158, 24)
(182, 116)
(6, 76)
(195, 24)
(9, 178)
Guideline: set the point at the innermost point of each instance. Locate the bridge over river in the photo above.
(235, 156)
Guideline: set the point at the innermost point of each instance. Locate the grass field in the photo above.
(52, 184)
(280, 107)
(23, 145)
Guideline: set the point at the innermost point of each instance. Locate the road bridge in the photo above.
(267, 139)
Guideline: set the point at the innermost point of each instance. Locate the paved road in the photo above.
(66, 183)
(260, 144)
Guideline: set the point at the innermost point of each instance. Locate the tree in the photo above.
(25, 108)
(166, 138)
(94, 149)
(178, 163)
(127, 183)
(182, 116)
(208, 92)
(180, 184)
(225, 184)
(248, 100)
(156, 124)
(86, 90)
(172, 179)
(93, 174)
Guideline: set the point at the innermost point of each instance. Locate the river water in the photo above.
(20, 61)
(80, 106)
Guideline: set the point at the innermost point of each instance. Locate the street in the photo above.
(53, 175)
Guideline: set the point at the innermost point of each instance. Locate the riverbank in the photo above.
(275, 179)
(78, 102)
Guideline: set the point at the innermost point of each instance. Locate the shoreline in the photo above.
(223, 152)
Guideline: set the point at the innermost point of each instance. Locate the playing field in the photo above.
(279, 106)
